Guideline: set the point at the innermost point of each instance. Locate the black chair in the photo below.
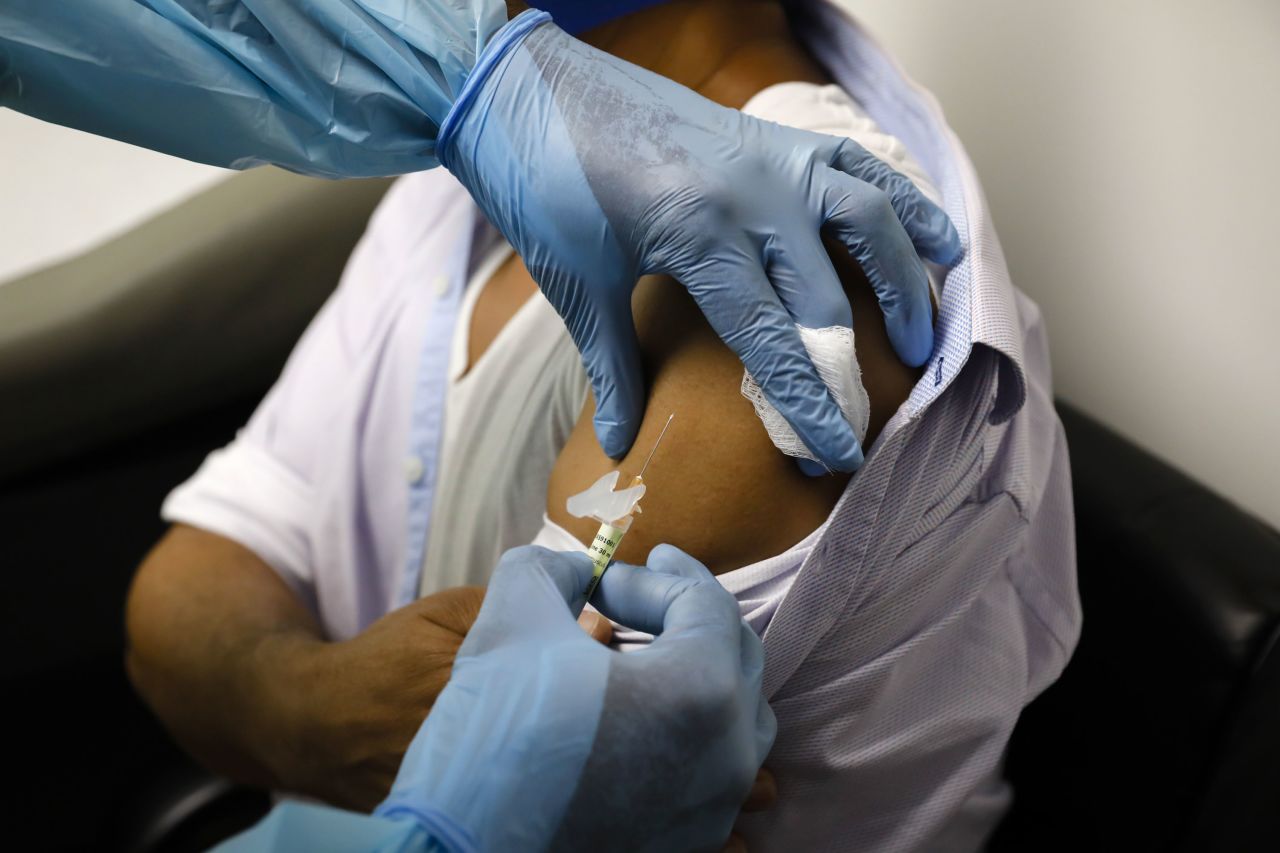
(1164, 731)
(119, 371)
(122, 368)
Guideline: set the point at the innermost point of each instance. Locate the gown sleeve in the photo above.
(329, 88)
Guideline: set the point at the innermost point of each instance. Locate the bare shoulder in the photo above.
(717, 487)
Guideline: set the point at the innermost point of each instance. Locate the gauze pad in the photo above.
(832, 353)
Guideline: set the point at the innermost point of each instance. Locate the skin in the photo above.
(716, 461)
(235, 665)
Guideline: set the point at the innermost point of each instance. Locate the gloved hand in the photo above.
(595, 170)
(599, 172)
(544, 739)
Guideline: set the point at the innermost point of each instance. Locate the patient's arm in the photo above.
(718, 488)
(238, 671)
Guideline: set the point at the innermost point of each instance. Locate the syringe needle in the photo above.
(611, 531)
(665, 426)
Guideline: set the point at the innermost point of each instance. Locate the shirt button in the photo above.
(441, 285)
(413, 470)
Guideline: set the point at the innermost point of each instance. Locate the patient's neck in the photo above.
(727, 50)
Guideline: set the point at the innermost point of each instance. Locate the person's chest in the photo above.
(515, 387)
(434, 456)
(378, 478)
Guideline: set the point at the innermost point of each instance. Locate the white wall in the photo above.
(1131, 155)
(62, 191)
(1130, 151)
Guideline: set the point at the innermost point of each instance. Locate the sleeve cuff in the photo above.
(245, 494)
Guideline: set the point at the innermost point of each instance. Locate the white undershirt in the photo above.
(505, 422)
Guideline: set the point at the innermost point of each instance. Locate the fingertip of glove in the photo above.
(947, 248)
(849, 461)
(661, 553)
(812, 468)
(615, 439)
(834, 443)
(913, 340)
(669, 559)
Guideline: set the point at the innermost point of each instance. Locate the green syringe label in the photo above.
(601, 550)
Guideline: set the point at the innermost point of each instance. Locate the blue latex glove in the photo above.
(544, 739)
(595, 170)
(599, 172)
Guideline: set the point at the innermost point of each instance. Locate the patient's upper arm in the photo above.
(717, 487)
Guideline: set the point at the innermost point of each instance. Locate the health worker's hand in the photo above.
(599, 172)
(544, 739)
(351, 708)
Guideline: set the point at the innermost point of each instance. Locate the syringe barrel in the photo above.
(602, 548)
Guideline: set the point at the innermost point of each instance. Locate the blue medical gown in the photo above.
(332, 88)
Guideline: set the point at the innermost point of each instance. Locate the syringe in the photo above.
(611, 531)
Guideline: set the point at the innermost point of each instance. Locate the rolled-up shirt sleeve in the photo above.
(317, 482)
(246, 494)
